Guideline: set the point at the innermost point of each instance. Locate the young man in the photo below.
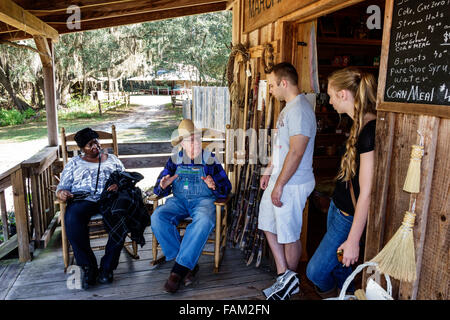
(196, 179)
(288, 180)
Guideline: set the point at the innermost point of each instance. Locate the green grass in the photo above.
(159, 127)
(70, 121)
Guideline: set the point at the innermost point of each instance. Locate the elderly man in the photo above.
(196, 180)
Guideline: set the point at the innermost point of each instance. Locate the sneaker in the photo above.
(286, 285)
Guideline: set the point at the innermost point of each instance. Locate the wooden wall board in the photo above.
(435, 273)
(429, 128)
(260, 13)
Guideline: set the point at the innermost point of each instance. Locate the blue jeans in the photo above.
(164, 225)
(77, 217)
(324, 269)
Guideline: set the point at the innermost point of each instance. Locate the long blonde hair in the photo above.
(363, 88)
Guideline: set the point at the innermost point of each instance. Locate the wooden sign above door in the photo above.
(258, 13)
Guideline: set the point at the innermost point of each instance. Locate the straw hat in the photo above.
(185, 129)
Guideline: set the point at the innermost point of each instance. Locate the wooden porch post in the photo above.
(47, 57)
(23, 238)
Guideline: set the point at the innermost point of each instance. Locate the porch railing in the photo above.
(33, 204)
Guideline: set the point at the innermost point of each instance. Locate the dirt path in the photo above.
(152, 120)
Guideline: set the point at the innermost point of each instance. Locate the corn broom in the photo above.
(412, 181)
(398, 258)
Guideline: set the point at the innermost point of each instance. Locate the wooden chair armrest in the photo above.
(224, 201)
(154, 197)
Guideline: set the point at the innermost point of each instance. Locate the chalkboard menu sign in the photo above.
(418, 64)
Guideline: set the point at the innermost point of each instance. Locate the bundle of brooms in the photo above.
(397, 258)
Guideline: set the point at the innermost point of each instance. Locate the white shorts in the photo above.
(286, 221)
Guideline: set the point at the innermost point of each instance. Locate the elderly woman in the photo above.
(82, 181)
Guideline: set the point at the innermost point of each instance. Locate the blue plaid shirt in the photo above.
(215, 170)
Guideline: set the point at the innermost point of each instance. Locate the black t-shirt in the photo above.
(341, 195)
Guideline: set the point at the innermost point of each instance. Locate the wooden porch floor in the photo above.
(44, 278)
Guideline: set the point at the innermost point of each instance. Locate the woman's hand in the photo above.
(114, 187)
(209, 182)
(167, 180)
(351, 252)
(64, 195)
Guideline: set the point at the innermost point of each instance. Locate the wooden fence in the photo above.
(211, 107)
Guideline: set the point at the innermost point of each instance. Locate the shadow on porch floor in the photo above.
(44, 278)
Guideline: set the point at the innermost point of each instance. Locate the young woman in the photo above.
(354, 93)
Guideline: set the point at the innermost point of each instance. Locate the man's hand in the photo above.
(209, 182)
(264, 181)
(276, 195)
(113, 187)
(167, 180)
(64, 195)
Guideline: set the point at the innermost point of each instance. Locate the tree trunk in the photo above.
(109, 86)
(18, 103)
(39, 92)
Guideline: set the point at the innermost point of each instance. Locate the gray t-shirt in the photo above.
(297, 117)
(80, 175)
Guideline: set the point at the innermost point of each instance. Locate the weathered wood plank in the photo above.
(137, 282)
(36, 206)
(4, 216)
(434, 275)
(259, 14)
(5, 177)
(137, 148)
(44, 240)
(146, 161)
(143, 17)
(21, 19)
(21, 216)
(429, 128)
(5, 182)
(319, 9)
(384, 138)
(8, 278)
(8, 246)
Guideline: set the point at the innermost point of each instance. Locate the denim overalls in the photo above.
(192, 198)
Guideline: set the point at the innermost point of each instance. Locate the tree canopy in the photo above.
(202, 41)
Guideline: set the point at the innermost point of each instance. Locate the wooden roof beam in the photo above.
(145, 17)
(318, 9)
(16, 16)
